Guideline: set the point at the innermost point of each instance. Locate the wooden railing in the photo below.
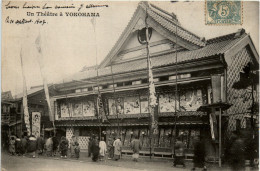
(158, 152)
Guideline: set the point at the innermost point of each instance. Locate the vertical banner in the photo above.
(213, 125)
(36, 123)
(216, 88)
(46, 90)
(100, 108)
(152, 96)
(25, 103)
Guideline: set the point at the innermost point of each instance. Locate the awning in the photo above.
(69, 124)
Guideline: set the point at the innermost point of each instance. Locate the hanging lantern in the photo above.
(141, 35)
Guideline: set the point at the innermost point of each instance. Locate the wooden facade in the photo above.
(126, 102)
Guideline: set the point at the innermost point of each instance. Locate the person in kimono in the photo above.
(103, 148)
(95, 149)
(40, 144)
(89, 146)
(77, 150)
(49, 146)
(110, 148)
(63, 147)
(18, 146)
(136, 147)
(23, 144)
(32, 145)
(237, 153)
(12, 145)
(73, 141)
(55, 144)
(179, 153)
(117, 148)
(199, 154)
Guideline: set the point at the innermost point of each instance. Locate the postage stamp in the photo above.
(223, 12)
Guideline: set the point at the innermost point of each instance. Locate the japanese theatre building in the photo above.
(122, 81)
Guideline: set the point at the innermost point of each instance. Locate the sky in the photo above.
(69, 43)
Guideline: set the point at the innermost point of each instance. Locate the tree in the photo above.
(249, 78)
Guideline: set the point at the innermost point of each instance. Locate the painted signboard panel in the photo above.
(88, 108)
(132, 105)
(36, 124)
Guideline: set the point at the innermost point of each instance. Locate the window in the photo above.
(165, 78)
(128, 83)
(19, 107)
(120, 84)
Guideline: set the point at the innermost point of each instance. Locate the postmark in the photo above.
(219, 12)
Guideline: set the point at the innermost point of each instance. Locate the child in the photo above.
(77, 150)
(64, 147)
(12, 145)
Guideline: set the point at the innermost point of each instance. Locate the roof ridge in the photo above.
(233, 35)
(173, 15)
(144, 5)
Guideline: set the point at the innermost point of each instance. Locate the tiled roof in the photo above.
(214, 47)
(171, 26)
(29, 92)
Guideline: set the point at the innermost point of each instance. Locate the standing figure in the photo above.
(12, 144)
(77, 150)
(103, 148)
(179, 153)
(110, 148)
(18, 146)
(117, 148)
(136, 147)
(95, 149)
(32, 145)
(55, 144)
(49, 146)
(237, 153)
(73, 141)
(40, 144)
(89, 146)
(23, 145)
(63, 147)
(199, 154)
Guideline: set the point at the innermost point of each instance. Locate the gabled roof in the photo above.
(166, 24)
(214, 47)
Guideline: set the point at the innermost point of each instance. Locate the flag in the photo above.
(25, 103)
(45, 85)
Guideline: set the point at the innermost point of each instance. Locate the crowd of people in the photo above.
(99, 150)
(50, 147)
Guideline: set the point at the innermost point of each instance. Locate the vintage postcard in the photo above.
(129, 85)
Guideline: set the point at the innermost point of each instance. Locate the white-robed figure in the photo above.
(117, 148)
(103, 148)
